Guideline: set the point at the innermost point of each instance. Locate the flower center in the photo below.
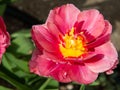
(72, 45)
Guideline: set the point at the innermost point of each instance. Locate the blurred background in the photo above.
(39, 9)
(22, 14)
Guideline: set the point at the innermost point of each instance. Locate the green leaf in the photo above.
(17, 66)
(96, 83)
(4, 88)
(34, 79)
(23, 32)
(51, 89)
(22, 45)
(43, 86)
(12, 63)
(52, 84)
(15, 83)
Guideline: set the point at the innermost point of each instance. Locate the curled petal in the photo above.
(78, 27)
(60, 24)
(4, 38)
(2, 50)
(82, 74)
(69, 14)
(61, 73)
(93, 23)
(40, 65)
(103, 38)
(53, 29)
(4, 35)
(106, 57)
(66, 73)
(64, 17)
(110, 71)
(43, 38)
(54, 56)
(52, 15)
(2, 25)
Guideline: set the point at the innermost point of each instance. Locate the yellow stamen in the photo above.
(72, 45)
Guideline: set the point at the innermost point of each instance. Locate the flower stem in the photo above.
(82, 87)
(45, 84)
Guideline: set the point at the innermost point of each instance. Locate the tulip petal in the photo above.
(79, 73)
(61, 73)
(4, 38)
(93, 23)
(4, 35)
(82, 74)
(51, 15)
(64, 17)
(2, 50)
(60, 24)
(52, 28)
(103, 38)
(107, 57)
(2, 25)
(54, 56)
(43, 38)
(69, 14)
(40, 65)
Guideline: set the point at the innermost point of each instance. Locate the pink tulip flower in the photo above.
(73, 45)
(4, 38)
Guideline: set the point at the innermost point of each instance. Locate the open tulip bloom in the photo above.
(73, 45)
(4, 38)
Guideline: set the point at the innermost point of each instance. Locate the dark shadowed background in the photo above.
(39, 9)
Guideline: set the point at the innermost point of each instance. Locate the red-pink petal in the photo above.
(69, 14)
(2, 50)
(43, 38)
(52, 15)
(4, 38)
(78, 73)
(103, 38)
(4, 35)
(40, 65)
(110, 71)
(52, 28)
(82, 74)
(2, 25)
(105, 59)
(61, 73)
(54, 56)
(78, 27)
(93, 23)
(64, 17)
(60, 24)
